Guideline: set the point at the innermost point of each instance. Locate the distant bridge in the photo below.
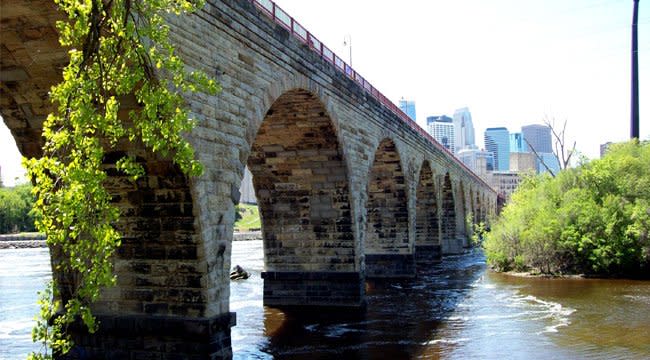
(348, 186)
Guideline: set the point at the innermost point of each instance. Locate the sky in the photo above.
(511, 62)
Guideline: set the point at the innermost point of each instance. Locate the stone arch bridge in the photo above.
(349, 188)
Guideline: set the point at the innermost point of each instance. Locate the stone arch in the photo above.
(461, 215)
(427, 224)
(386, 246)
(448, 215)
(472, 205)
(479, 207)
(301, 183)
(266, 98)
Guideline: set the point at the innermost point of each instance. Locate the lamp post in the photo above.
(347, 41)
(634, 119)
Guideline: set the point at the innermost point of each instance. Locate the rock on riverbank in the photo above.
(24, 244)
(38, 241)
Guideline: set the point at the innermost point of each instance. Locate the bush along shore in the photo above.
(592, 220)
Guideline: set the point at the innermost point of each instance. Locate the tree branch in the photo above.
(540, 158)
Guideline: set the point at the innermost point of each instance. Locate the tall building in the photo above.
(523, 161)
(479, 161)
(408, 107)
(497, 141)
(504, 182)
(604, 147)
(517, 143)
(442, 129)
(551, 162)
(464, 129)
(539, 137)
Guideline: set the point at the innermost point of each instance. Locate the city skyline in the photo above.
(512, 63)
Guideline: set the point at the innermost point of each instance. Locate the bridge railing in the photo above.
(282, 18)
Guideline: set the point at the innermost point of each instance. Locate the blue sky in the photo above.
(511, 62)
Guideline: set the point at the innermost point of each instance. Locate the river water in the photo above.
(455, 309)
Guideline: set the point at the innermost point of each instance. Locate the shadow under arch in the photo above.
(427, 224)
(301, 184)
(448, 216)
(461, 218)
(386, 247)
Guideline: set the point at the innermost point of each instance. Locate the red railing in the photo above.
(282, 18)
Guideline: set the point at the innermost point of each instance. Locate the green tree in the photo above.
(118, 49)
(594, 219)
(16, 209)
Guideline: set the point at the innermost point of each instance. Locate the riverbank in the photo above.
(518, 274)
(247, 236)
(541, 276)
(26, 241)
(22, 241)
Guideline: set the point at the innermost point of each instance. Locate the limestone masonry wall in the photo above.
(346, 189)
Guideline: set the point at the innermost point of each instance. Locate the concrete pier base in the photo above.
(428, 253)
(390, 266)
(313, 289)
(153, 337)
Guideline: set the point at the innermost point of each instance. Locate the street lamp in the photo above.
(634, 119)
(347, 41)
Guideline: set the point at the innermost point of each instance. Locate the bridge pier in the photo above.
(150, 337)
(311, 289)
(390, 266)
(428, 253)
(334, 191)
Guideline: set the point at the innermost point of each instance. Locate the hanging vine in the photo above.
(118, 48)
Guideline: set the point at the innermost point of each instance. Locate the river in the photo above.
(455, 309)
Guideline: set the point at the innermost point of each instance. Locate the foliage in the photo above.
(15, 209)
(594, 219)
(478, 233)
(249, 218)
(118, 49)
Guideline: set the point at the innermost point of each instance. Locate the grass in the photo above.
(250, 218)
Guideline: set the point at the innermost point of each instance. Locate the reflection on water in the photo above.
(453, 310)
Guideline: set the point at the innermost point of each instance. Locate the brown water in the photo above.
(453, 310)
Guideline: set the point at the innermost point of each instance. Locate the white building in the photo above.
(464, 129)
(479, 161)
(442, 129)
(504, 182)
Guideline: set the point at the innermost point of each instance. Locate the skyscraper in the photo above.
(442, 129)
(464, 129)
(408, 107)
(497, 141)
(479, 161)
(517, 143)
(551, 161)
(604, 147)
(539, 137)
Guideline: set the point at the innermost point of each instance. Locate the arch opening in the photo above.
(462, 219)
(301, 184)
(448, 216)
(387, 250)
(427, 237)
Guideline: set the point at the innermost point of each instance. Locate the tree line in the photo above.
(16, 209)
(593, 219)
